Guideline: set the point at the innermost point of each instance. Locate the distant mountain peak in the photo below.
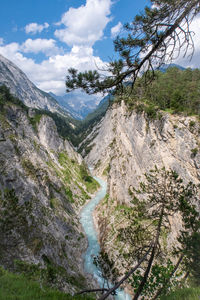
(77, 103)
(164, 67)
(20, 86)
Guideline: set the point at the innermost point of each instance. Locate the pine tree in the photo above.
(155, 36)
(161, 196)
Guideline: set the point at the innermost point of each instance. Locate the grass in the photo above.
(91, 184)
(18, 287)
(184, 294)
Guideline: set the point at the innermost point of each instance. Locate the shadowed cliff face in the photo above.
(41, 191)
(125, 145)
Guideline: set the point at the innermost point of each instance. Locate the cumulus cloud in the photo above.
(49, 75)
(46, 46)
(84, 25)
(1, 41)
(79, 28)
(116, 29)
(35, 28)
(188, 61)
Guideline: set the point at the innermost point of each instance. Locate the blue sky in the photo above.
(46, 37)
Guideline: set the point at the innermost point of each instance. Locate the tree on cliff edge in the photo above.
(154, 37)
(152, 267)
(160, 200)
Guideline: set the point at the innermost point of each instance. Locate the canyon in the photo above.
(45, 182)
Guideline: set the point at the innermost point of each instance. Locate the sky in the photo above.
(46, 37)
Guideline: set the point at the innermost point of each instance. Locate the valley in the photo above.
(45, 181)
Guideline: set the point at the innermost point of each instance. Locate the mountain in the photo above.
(25, 90)
(43, 185)
(85, 126)
(77, 103)
(124, 146)
(44, 182)
(167, 66)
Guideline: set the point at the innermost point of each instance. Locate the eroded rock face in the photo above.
(25, 90)
(124, 146)
(41, 193)
(127, 146)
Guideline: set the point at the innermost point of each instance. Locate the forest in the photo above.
(174, 91)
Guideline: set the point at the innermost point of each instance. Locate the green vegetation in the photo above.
(155, 33)
(6, 98)
(69, 195)
(85, 126)
(175, 91)
(29, 168)
(19, 287)
(107, 170)
(35, 119)
(11, 213)
(141, 232)
(194, 151)
(71, 171)
(65, 124)
(50, 274)
(54, 203)
(91, 184)
(183, 294)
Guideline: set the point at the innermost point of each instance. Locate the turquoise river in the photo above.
(93, 244)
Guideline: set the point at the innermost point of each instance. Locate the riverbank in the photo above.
(91, 230)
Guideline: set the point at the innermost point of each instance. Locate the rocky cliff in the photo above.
(42, 187)
(25, 90)
(125, 145)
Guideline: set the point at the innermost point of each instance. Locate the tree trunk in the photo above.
(148, 269)
(146, 274)
(172, 273)
(126, 276)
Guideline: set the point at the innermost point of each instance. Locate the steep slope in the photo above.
(77, 103)
(85, 126)
(25, 90)
(130, 144)
(125, 145)
(43, 184)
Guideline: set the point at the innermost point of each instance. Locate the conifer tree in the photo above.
(154, 37)
(162, 196)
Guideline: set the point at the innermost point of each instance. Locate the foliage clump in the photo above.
(173, 91)
(142, 237)
(21, 287)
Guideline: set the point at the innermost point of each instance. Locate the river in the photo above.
(93, 244)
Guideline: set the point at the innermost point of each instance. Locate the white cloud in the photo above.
(34, 27)
(49, 75)
(45, 46)
(194, 62)
(1, 41)
(179, 56)
(116, 29)
(84, 25)
(9, 49)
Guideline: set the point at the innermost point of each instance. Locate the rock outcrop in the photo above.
(124, 146)
(25, 90)
(41, 192)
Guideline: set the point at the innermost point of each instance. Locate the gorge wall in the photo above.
(125, 145)
(41, 192)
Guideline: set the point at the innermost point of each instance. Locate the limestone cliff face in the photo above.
(41, 191)
(125, 145)
(24, 89)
